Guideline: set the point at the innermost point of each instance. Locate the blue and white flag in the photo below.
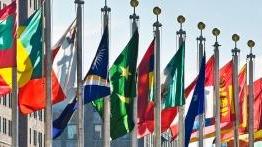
(197, 103)
(61, 122)
(96, 86)
(96, 82)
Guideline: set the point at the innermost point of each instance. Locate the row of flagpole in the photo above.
(157, 135)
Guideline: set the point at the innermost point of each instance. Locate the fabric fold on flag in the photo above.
(96, 82)
(61, 122)
(96, 85)
(32, 94)
(7, 45)
(122, 76)
(8, 36)
(145, 97)
(196, 107)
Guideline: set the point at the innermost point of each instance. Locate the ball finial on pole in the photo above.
(181, 19)
(251, 43)
(134, 3)
(201, 26)
(157, 11)
(216, 32)
(235, 37)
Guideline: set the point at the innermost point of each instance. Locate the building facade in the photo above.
(31, 127)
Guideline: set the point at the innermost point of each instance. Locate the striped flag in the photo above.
(96, 86)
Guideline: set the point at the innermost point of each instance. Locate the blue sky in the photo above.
(230, 16)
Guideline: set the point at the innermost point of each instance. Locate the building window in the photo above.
(10, 128)
(10, 100)
(4, 5)
(97, 132)
(0, 124)
(35, 137)
(30, 136)
(30, 3)
(4, 100)
(4, 125)
(35, 4)
(40, 115)
(35, 115)
(40, 139)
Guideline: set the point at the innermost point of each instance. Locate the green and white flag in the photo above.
(123, 84)
(173, 87)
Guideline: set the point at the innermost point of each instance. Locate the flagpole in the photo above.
(235, 53)
(182, 35)
(106, 127)
(134, 19)
(79, 48)
(201, 47)
(14, 92)
(216, 97)
(48, 109)
(250, 58)
(157, 25)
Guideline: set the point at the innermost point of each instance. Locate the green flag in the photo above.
(173, 88)
(123, 84)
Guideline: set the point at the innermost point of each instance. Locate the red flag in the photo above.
(32, 94)
(145, 104)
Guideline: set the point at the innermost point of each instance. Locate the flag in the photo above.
(123, 80)
(7, 44)
(145, 102)
(32, 94)
(173, 87)
(197, 103)
(208, 94)
(96, 85)
(61, 122)
(8, 36)
(226, 105)
(96, 82)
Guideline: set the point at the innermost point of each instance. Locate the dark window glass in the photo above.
(9, 127)
(35, 137)
(40, 141)
(4, 125)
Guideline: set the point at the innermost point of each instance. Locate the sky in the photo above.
(230, 16)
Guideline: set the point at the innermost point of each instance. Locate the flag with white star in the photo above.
(123, 90)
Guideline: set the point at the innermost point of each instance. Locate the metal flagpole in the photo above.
(157, 132)
(216, 82)
(182, 35)
(250, 58)
(106, 127)
(134, 19)
(79, 48)
(201, 47)
(47, 40)
(14, 93)
(235, 53)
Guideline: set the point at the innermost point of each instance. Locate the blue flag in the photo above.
(197, 103)
(96, 85)
(61, 122)
(96, 82)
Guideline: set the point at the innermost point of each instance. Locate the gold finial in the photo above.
(201, 26)
(181, 19)
(216, 32)
(251, 43)
(235, 37)
(134, 3)
(157, 11)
